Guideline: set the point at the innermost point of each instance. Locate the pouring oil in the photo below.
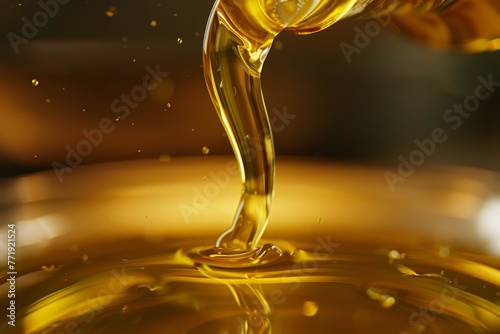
(241, 286)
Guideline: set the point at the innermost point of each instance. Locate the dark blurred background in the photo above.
(90, 52)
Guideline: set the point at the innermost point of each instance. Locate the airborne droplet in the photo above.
(112, 11)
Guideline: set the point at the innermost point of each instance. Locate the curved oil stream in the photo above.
(237, 40)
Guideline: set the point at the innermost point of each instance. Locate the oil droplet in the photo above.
(35, 82)
(205, 150)
(395, 255)
(74, 248)
(444, 251)
(48, 100)
(85, 258)
(49, 268)
(388, 302)
(112, 11)
(385, 300)
(179, 40)
(153, 23)
(165, 157)
(309, 309)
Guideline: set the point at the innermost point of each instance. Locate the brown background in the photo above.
(370, 111)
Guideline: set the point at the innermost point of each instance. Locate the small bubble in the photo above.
(165, 157)
(117, 119)
(205, 150)
(64, 88)
(192, 130)
(48, 100)
(49, 268)
(84, 109)
(36, 156)
(134, 60)
(112, 11)
(221, 84)
(204, 178)
(74, 248)
(153, 23)
(35, 82)
(125, 260)
(320, 220)
(85, 258)
(395, 255)
(179, 40)
(388, 302)
(168, 105)
(139, 151)
(132, 124)
(385, 300)
(197, 33)
(124, 39)
(175, 14)
(124, 308)
(309, 309)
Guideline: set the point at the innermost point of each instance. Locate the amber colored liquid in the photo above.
(237, 286)
(350, 287)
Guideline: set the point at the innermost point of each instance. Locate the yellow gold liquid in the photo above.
(342, 284)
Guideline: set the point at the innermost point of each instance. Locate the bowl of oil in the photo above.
(109, 251)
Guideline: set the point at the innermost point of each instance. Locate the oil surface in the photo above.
(323, 287)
